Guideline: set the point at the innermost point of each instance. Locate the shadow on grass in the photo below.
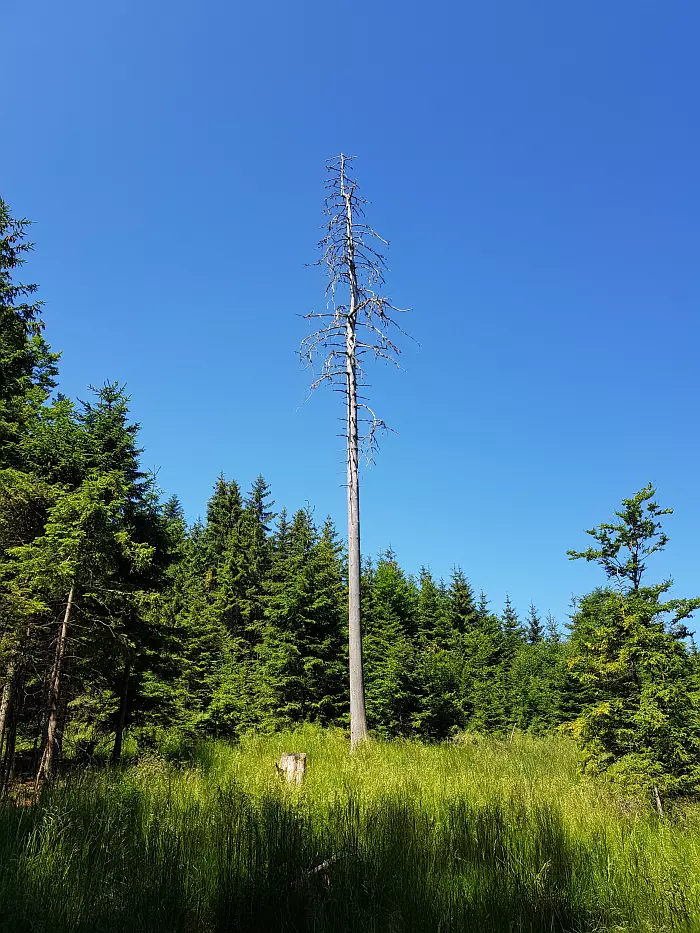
(102, 857)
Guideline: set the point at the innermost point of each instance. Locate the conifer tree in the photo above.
(430, 609)
(27, 365)
(461, 608)
(238, 601)
(483, 678)
(300, 656)
(124, 604)
(27, 372)
(392, 695)
(552, 632)
(83, 542)
(440, 623)
(512, 629)
(224, 513)
(281, 682)
(200, 631)
(640, 724)
(536, 686)
(535, 629)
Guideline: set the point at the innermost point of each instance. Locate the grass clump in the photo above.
(486, 836)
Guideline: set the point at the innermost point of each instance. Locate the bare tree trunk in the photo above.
(6, 703)
(352, 332)
(51, 747)
(358, 716)
(7, 749)
(118, 738)
(8, 756)
(658, 804)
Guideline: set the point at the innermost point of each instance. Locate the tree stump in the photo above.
(292, 767)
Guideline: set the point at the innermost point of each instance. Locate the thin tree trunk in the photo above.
(117, 750)
(8, 757)
(658, 804)
(7, 744)
(51, 747)
(358, 716)
(6, 703)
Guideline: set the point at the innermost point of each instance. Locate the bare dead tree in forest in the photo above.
(357, 325)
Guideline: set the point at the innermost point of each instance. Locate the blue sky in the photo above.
(535, 167)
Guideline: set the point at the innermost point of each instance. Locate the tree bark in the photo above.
(358, 716)
(7, 724)
(117, 750)
(6, 703)
(8, 756)
(52, 744)
(292, 767)
(658, 804)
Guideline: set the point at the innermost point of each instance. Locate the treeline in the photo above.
(123, 629)
(114, 615)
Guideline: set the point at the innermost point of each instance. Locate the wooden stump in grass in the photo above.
(292, 767)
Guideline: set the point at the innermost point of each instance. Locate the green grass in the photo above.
(487, 836)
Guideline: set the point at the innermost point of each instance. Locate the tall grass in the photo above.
(488, 836)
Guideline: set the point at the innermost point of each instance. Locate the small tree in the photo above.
(624, 546)
(640, 722)
(535, 629)
(356, 326)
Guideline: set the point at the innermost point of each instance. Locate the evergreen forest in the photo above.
(152, 672)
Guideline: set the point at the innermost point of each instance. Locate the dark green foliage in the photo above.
(27, 366)
(222, 627)
(535, 629)
(390, 622)
(512, 629)
(235, 624)
(300, 656)
(485, 676)
(639, 721)
(462, 611)
(539, 687)
(439, 657)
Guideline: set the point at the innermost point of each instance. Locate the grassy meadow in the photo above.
(484, 835)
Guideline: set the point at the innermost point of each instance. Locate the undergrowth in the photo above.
(482, 835)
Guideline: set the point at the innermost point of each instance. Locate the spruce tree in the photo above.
(461, 608)
(224, 513)
(391, 670)
(282, 688)
(640, 722)
(483, 674)
(27, 365)
(535, 629)
(441, 618)
(512, 629)
(300, 654)
(238, 603)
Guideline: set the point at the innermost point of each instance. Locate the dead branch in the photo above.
(358, 324)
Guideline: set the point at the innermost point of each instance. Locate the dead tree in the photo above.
(292, 767)
(357, 325)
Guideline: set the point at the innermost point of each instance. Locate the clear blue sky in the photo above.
(535, 167)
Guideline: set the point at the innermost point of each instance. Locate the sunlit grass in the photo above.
(483, 835)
